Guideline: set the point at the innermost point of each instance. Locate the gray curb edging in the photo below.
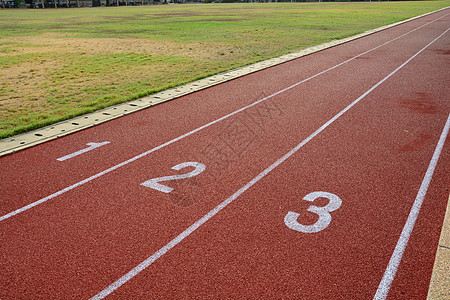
(440, 279)
(35, 137)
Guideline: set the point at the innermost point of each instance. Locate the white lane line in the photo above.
(31, 205)
(92, 146)
(143, 265)
(394, 262)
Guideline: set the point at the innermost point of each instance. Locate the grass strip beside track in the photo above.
(59, 63)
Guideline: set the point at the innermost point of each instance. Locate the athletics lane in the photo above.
(78, 216)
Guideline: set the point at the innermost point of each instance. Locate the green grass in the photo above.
(60, 63)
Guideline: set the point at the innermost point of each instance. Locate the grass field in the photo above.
(59, 63)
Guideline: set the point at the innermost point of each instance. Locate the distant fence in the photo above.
(73, 3)
(97, 3)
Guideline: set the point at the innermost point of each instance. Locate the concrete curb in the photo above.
(32, 138)
(440, 279)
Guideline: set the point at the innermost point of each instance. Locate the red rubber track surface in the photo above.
(374, 157)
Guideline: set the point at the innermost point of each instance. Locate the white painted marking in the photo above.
(322, 211)
(31, 205)
(394, 262)
(142, 266)
(153, 183)
(92, 146)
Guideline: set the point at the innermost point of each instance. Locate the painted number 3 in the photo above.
(323, 212)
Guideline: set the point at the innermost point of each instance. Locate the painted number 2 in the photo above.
(323, 212)
(154, 183)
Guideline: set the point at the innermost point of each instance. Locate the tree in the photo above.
(17, 2)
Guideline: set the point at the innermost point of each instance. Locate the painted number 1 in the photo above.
(323, 212)
(154, 183)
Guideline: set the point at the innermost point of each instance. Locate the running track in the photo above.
(307, 180)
